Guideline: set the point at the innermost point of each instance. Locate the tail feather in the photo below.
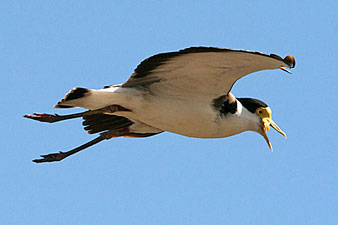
(90, 99)
(75, 93)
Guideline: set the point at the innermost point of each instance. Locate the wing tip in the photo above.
(290, 61)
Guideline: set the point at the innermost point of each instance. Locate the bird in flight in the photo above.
(185, 92)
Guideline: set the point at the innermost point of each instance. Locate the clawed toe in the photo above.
(51, 118)
(51, 157)
(61, 155)
(43, 117)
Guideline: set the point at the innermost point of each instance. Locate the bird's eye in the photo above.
(260, 111)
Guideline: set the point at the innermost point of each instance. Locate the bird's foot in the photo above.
(44, 117)
(51, 157)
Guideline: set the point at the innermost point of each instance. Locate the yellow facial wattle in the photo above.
(266, 115)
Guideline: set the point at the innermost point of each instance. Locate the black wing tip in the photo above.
(290, 60)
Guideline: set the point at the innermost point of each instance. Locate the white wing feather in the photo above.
(200, 71)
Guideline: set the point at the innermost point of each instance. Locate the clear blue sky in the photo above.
(48, 47)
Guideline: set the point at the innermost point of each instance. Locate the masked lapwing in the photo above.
(185, 92)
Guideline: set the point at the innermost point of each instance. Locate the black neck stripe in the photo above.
(251, 104)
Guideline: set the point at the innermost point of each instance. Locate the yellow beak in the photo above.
(286, 70)
(265, 114)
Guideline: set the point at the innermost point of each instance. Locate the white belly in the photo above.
(185, 117)
(190, 116)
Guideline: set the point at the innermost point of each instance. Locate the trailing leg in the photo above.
(62, 155)
(50, 118)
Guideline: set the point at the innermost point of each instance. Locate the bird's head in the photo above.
(266, 121)
(263, 117)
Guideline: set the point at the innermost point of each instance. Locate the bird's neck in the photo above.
(237, 122)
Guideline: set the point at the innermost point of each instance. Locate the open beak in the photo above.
(286, 70)
(267, 122)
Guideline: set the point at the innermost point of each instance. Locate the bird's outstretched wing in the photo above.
(201, 71)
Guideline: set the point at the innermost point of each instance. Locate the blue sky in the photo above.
(48, 47)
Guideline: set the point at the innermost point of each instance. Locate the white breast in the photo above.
(188, 117)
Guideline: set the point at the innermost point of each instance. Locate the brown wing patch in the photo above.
(101, 122)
